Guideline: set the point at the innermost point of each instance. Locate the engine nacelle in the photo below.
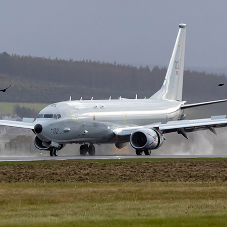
(39, 144)
(146, 139)
(120, 145)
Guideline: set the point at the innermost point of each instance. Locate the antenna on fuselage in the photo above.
(110, 98)
(91, 98)
(70, 98)
(136, 96)
(80, 98)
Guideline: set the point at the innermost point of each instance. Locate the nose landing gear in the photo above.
(85, 148)
(53, 151)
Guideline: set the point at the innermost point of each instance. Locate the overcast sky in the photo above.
(137, 32)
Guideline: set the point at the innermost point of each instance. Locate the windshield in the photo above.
(55, 116)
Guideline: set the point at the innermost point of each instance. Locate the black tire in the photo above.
(51, 152)
(147, 152)
(139, 152)
(91, 150)
(83, 149)
(55, 152)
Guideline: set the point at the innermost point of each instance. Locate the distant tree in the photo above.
(24, 112)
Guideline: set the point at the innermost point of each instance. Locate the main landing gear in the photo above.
(85, 148)
(53, 151)
(146, 152)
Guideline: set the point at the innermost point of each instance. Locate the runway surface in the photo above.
(47, 158)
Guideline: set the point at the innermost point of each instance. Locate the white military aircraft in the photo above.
(142, 122)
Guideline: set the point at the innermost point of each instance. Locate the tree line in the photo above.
(36, 79)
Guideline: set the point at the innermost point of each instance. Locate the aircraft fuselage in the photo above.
(94, 120)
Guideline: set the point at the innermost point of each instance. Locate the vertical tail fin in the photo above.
(173, 83)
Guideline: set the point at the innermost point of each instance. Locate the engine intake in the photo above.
(39, 144)
(146, 139)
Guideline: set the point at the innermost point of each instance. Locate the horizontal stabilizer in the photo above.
(185, 106)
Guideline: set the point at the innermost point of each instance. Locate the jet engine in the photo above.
(120, 145)
(39, 144)
(146, 139)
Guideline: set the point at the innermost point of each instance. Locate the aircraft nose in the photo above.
(38, 128)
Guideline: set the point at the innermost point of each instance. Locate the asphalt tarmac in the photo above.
(46, 158)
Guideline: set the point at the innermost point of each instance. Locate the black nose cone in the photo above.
(38, 128)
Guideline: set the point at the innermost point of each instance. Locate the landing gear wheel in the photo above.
(91, 150)
(139, 152)
(55, 152)
(147, 152)
(83, 149)
(51, 152)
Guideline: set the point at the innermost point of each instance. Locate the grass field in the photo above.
(120, 204)
(126, 203)
(8, 107)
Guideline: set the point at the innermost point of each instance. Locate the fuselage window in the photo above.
(59, 116)
(40, 116)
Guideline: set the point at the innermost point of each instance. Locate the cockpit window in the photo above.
(55, 116)
(48, 115)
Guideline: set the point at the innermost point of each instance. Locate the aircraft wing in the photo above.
(18, 124)
(181, 126)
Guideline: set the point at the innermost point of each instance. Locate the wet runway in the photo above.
(47, 158)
